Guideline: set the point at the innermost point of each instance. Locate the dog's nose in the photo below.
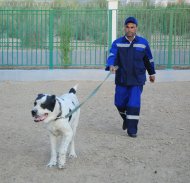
(34, 112)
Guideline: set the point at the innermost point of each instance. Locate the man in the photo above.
(130, 56)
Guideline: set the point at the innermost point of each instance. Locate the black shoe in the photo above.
(124, 125)
(132, 135)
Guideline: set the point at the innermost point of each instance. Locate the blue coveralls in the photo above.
(132, 59)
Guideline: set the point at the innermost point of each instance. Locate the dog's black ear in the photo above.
(49, 103)
(40, 96)
(53, 99)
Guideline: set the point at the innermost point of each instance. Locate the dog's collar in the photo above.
(60, 113)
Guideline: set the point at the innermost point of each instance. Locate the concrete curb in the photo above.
(83, 74)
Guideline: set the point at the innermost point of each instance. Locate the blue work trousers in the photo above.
(128, 102)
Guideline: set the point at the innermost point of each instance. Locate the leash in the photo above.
(90, 96)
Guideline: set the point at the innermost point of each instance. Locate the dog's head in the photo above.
(43, 109)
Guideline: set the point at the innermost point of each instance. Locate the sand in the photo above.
(160, 153)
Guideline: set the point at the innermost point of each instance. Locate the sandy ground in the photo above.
(160, 153)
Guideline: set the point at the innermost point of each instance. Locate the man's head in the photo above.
(130, 27)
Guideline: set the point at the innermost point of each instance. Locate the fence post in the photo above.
(51, 27)
(112, 21)
(169, 66)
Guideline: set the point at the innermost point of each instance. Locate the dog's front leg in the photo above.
(53, 141)
(63, 147)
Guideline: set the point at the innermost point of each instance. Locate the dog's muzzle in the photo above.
(38, 118)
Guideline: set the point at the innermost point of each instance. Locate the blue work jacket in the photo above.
(132, 59)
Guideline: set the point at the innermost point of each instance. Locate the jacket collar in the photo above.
(124, 39)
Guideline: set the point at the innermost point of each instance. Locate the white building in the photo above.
(156, 2)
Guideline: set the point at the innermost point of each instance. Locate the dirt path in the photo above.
(160, 153)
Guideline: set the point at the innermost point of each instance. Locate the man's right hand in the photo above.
(113, 69)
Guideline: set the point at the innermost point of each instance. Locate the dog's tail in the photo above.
(73, 89)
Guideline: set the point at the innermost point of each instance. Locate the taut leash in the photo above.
(91, 95)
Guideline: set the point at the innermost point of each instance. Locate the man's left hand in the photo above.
(152, 78)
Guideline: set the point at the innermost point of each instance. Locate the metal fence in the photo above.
(167, 31)
(53, 38)
(56, 38)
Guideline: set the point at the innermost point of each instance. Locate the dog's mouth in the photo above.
(40, 118)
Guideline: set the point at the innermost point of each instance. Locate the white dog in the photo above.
(52, 111)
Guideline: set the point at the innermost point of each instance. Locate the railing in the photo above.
(53, 38)
(60, 38)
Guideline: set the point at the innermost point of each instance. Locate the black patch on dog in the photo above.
(49, 103)
(70, 115)
(72, 90)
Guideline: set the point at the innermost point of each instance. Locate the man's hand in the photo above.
(152, 78)
(113, 69)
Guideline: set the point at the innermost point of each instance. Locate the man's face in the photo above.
(130, 30)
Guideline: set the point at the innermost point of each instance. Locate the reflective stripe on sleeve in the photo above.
(111, 54)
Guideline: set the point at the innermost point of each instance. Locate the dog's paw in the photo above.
(61, 160)
(52, 163)
(72, 155)
(61, 165)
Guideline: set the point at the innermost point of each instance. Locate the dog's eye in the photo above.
(35, 103)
